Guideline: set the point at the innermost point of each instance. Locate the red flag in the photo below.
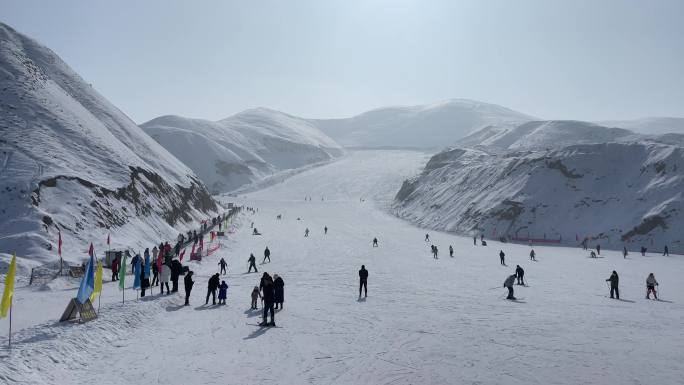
(91, 250)
(59, 245)
(192, 253)
(108, 235)
(181, 255)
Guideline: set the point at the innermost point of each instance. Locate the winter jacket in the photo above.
(223, 289)
(267, 252)
(651, 281)
(614, 280)
(268, 291)
(188, 282)
(279, 287)
(363, 275)
(176, 269)
(519, 271)
(213, 283)
(115, 265)
(165, 273)
(509, 281)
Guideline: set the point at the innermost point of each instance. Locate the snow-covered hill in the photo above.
(615, 193)
(425, 126)
(243, 148)
(649, 125)
(70, 160)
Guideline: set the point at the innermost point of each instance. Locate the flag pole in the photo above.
(99, 300)
(10, 327)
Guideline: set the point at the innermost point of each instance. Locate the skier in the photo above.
(155, 273)
(614, 280)
(502, 257)
(306, 232)
(474, 240)
(176, 271)
(325, 230)
(267, 255)
(115, 269)
(643, 251)
(363, 281)
(164, 278)
(375, 242)
(223, 265)
(533, 255)
(279, 287)
(508, 283)
(268, 295)
(427, 237)
(188, 286)
(666, 251)
(624, 252)
(651, 283)
(592, 254)
(585, 242)
(223, 290)
(255, 295)
(212, 285)
(519, 272)
(252, 263)
(598, 249)
(256, 232)
(451, 251)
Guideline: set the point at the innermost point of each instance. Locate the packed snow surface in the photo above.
(425, 321)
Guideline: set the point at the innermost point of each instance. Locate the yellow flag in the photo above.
(9, 288)
(98, 282)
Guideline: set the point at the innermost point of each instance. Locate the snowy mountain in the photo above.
(649, 125)
(614, 193)
(243, 148)
(70, 160)
(425, 126)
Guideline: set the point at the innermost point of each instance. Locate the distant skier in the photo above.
(223, 265)
(212, 286)
(651, 283)
(624, 252)
(474, 240)
(643, 251)
(520, 273)
(188, 286)
(614, 281)
(502, 258)
(223, 293)
(255, 295)
(363, 281)
(598, 249)
(325, 230)
(252, 263)
(592, 254)
(451, 251)
(267, 255)
(115, 269)
(508, 283)
(585, 243)
(375, 242)
(533, 255)
(666, 251)
(306, 232)
(427, 237)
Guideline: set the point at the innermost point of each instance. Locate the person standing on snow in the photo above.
(223, 265)
(427, 237)
(176, 272)
(519, 272)
(279, 288)
(474, 240)
(255, 295)
(651, 283)
(375, 242)
(502, 257)
(643, 251)
(666, 251)
(533, 255)
(363, 281)
(212, 286)
(188, 286)
(155, 273)
(598, 249)
(624, 252)
(267, 255)
(115, 269)
(252, 263)
(164, 278)
(268, 295)
(325, 230)
(614, 281)
(451, 251)
(508, 283)
(306, 232)
(223, 293)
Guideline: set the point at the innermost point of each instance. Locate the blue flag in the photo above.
(136, 273)
(148, 266)
(87, 282)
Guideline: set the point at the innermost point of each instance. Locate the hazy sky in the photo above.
(570, 59)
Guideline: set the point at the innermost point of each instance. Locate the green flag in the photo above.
(122, 273)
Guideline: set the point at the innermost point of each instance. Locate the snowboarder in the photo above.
(212, 285)
(306, 232)
(223, 290)
(267, 255)
(614, 280)
(651, 283)
(502, 257)
(255, 295)
(598, 249)
(451, 251)
(223, 265)
(252, 263)
(115, 269)
(268, 295)
(519, 272)
(666, 251)
(375, 242)
(164, 277)
(363, 281)
(188, 286)
(533, 255)
(508, 283)
(624, 252)
(427, 237)
(279, 287)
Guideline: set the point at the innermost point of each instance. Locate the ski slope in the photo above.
(425, 321)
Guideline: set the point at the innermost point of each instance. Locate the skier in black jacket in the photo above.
(279, 287)
(268, 295)
(188, 287)
(176, 271)
(614, 281)
(212, 286)
(519, 273)
(267, 255)
(363, 281)
(502, 257)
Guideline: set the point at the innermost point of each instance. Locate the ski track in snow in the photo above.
(425, 321)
